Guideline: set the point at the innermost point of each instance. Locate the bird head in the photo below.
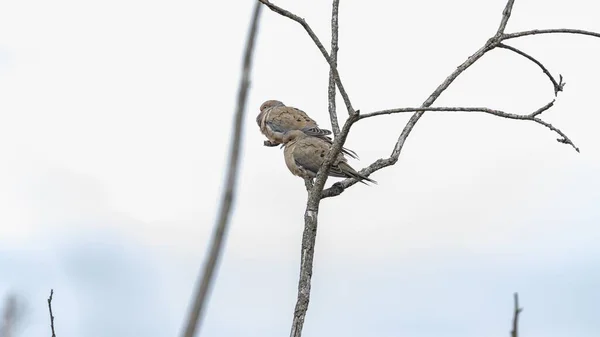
(264, 107)
(269, 104)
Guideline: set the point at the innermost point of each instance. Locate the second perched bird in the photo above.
(304, 155)
(275, 119)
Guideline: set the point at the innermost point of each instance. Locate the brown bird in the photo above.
(305, 154)
(275, 119)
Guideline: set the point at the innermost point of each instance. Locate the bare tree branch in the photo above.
(319, 45)
(309, 235)
(505, 16)
(308, 183)
(549, 31)
(499, 113)
(315, 190)
(227, 199)
(335, 127)
(339, 187)
(495, 112)
(558, 86)
(312, 207)
(515, 323)
(564, 139)
(50, 310)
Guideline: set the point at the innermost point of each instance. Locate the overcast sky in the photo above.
(115, 119)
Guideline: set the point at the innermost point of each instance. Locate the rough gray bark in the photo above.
(335, 126)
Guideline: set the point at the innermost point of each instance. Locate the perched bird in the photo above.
(305, 154)
(275, 119)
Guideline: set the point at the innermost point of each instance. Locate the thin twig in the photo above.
(564, 139)
(558, 86)
(51, 315)
(515, 323)
(319, 45)
(505, 16)
(334, 51)
(339, 187)
(227, 199)
(549, 31)
(495, 112)
(530, 117)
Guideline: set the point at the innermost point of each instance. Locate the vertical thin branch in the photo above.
(311, 214)
(227, 199)
(50, 310)
(515, 322)
(333, 65)
(505, 16)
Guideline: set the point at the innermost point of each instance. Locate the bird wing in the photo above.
(310, 153)
(284, 118)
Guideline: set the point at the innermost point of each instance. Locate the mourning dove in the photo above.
(305, 154)
(275, 119)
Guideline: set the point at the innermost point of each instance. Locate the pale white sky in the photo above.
(114, 121)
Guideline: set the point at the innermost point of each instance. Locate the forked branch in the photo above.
(315, 190)
(496, 41)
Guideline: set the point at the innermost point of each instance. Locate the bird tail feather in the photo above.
(351, 173)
